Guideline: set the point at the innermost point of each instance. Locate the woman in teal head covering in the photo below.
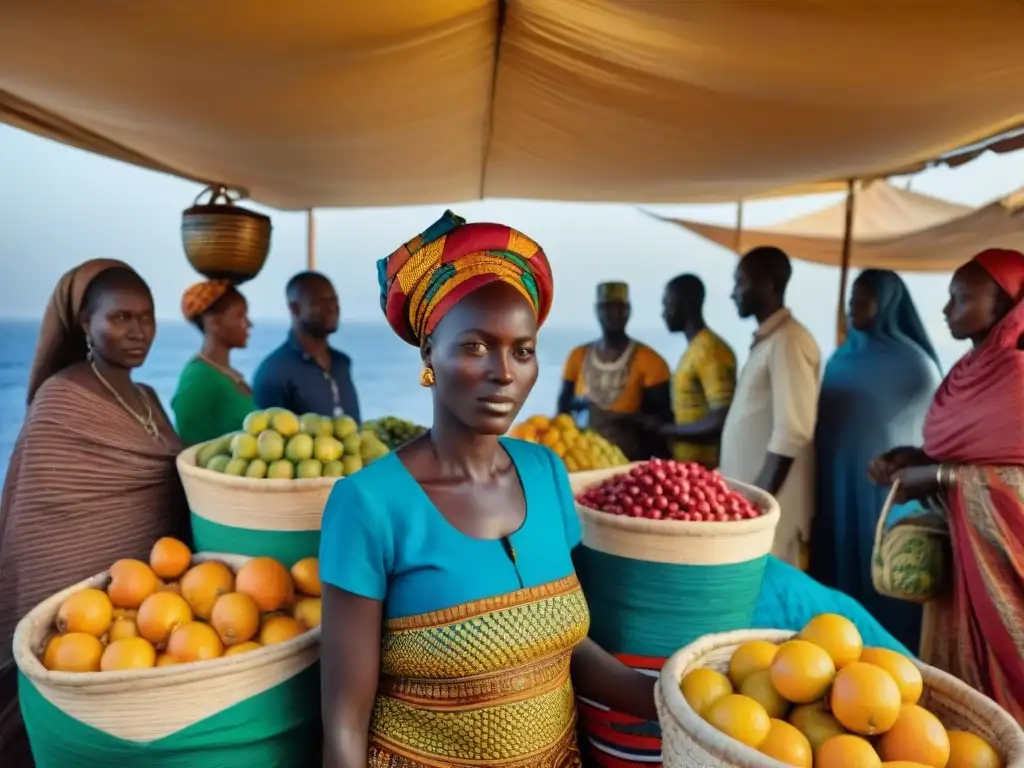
(875, 393)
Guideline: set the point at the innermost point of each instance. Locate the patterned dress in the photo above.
(474, 666)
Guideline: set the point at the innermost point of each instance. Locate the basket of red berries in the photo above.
(671, 551)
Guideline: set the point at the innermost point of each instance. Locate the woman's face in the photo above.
(483, 354)
(863, 306)
(231, 325)
(976, 303)
(121, 326)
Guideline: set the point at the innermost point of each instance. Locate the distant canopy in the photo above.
(892, 229)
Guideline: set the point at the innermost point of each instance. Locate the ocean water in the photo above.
(386, 370)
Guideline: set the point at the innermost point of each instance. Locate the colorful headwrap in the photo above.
(431, 273)
(613, 292)
(200, 297)
(1006, 267)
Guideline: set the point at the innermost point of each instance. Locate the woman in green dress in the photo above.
(213, 398)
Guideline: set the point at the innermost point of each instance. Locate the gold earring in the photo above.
(427, 377)
(88, 349)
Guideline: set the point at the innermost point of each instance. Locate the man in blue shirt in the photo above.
(305, 375)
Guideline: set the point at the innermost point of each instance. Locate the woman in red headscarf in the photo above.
(973, 458)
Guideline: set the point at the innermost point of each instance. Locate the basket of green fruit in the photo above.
(261, 491)
(393, 431)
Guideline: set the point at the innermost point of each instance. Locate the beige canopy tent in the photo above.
(317, 103)
(892, 228)
(882, 226)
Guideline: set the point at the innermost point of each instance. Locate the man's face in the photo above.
(672, 310)
(317, 308)
(612, 316)
(746, 291)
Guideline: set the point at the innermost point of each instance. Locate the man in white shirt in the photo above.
(768, 436)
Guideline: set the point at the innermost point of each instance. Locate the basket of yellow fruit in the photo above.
(262, 490)
(820, 699)
(183, 659)
(581, 450)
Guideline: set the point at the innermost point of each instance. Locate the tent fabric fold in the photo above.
(316, 103)
(892, 229)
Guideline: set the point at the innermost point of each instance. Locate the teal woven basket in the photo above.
(244, 516)
(654, 586)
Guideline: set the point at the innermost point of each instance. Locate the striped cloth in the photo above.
(85, 486)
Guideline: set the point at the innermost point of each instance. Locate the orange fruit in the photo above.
(917, 736)
(802, 671)
(902, 764)
(903, 671)
(202, 584)
(160, 614)
(308, 611)
(77, 652)
(267, 582)
(787, 745)
(122, 628)
(48, 656)
(740, 717)
(128, 653)
(865, 699)
(703, 687)
(759, 687)
(236, 617)
(131, 582)
(163, 660)
(194, 641)
(125, 613)
(88, 611)
(967, 750)
(235, 650)
(750, 657)
(846, 751)
(837, 635)
(816, 723)
(306, 575)
(171, 586)
(280, 629)
(169, 558)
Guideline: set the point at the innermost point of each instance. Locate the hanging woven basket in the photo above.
(222, 240)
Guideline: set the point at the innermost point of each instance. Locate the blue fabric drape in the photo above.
(874, 396)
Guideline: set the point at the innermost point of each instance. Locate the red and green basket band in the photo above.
(643, 612)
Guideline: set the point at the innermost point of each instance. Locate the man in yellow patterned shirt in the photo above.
(704, 380)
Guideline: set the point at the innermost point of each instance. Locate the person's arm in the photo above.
(657, 395)
(355, 557)
(270, 387)
(570, 375)
(794, 381)
(596, 674)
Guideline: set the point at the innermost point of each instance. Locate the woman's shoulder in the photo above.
(530, 457)
(375, 486)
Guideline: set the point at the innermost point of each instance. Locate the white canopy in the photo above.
(319, 103)
(892, 229)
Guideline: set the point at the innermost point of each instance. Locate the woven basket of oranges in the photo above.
(820, 699)
(154, 660)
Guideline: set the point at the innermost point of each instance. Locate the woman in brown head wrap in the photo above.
(213, 398)
(92, 477)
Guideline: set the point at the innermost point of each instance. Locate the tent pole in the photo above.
(310, 240)
(844, 269)
(739, 226)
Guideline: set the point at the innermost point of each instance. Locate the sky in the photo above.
(60, 206)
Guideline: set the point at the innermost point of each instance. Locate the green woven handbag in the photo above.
(912, 560)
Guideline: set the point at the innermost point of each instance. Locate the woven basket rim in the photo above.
(187, 468)
(221, 209)
(767, 502)
(30, 665)
(697, 729)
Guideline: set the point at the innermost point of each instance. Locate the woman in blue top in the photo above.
(875, 393)
(451, 611)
